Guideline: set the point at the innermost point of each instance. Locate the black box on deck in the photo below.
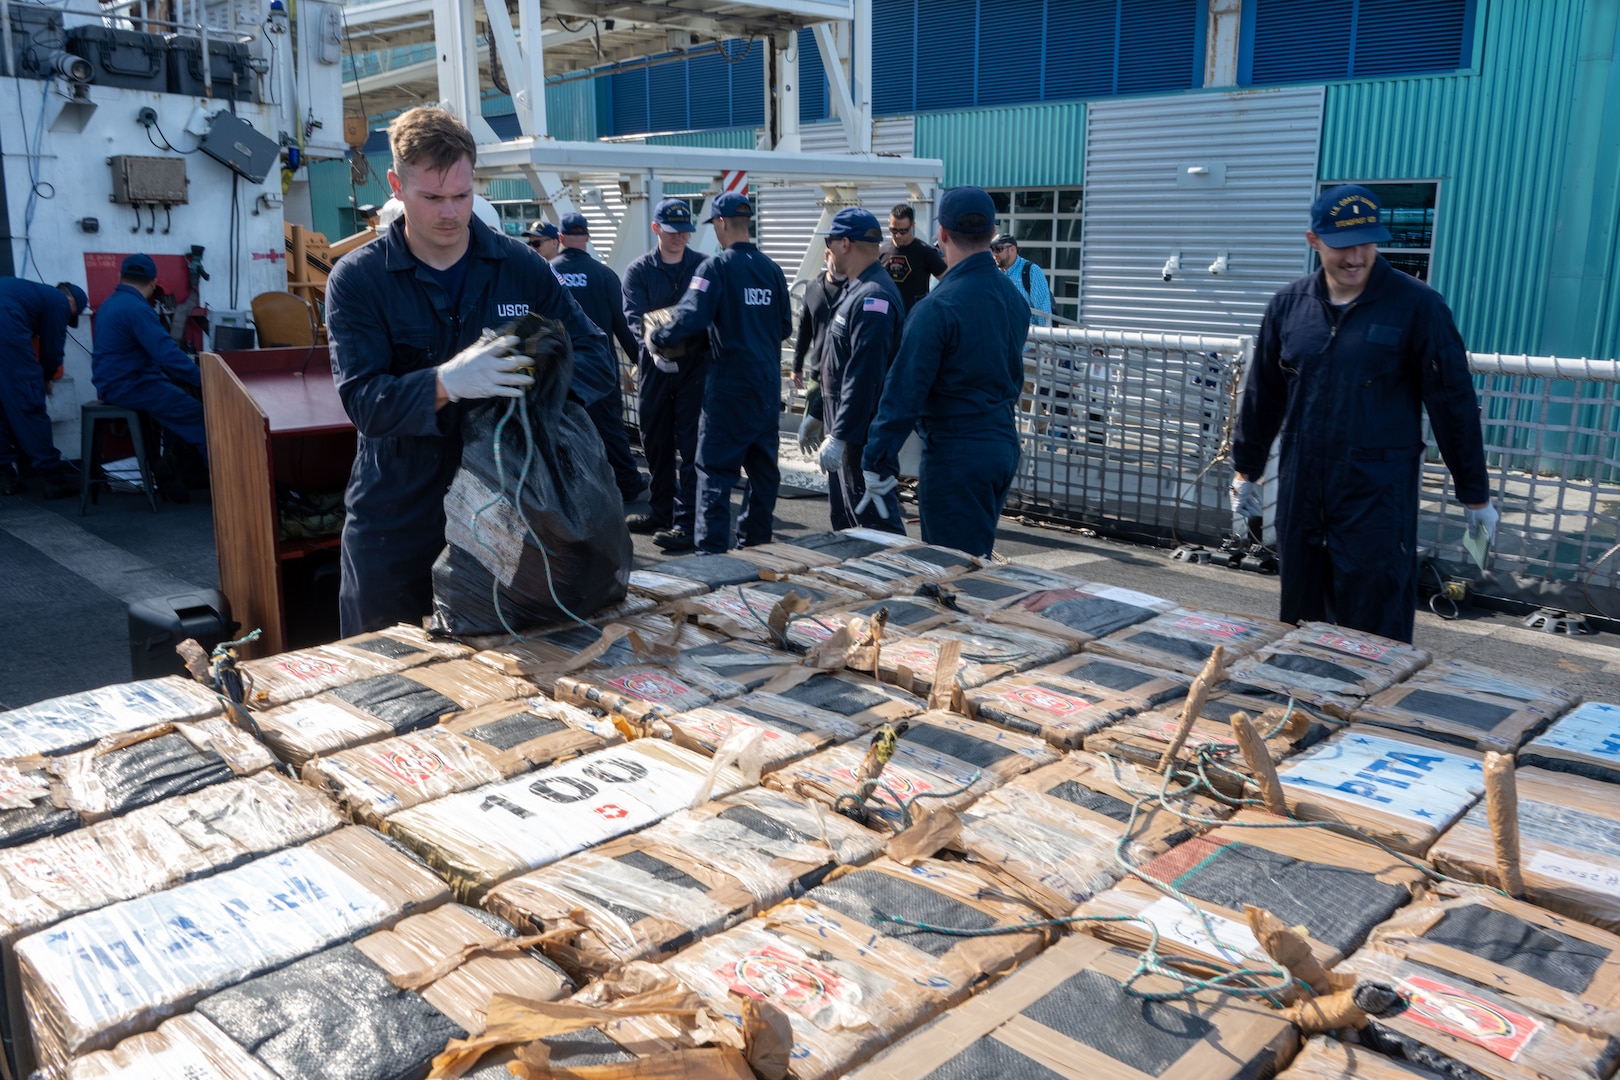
(228, 61)
(158, 624)
(126, 58)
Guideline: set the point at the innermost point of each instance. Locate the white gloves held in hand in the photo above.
(668, 367)
(1245, 498)
(487, 369)
(878, 490)
(832, 455)
(811, 432)
(1485, 517)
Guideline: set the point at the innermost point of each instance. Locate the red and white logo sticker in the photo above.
(612, 811)
(1047, 700)
(412, 763)
(1217, 627)
(1454, 1011)
(1340, 643)
(305, 667)
(650, 686)
(780, 977)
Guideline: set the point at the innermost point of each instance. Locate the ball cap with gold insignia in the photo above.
(1348, 215)
(857, 224)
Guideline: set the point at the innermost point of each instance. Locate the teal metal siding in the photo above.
(329, 193)
(737, 138)
(571, 111)
(1018, 146)
(1515, 148)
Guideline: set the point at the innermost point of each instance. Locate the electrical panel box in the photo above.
(234, 143)
(153, 180)
(319, 64)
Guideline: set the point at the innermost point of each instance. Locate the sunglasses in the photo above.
(900, 231)
(1000, 247)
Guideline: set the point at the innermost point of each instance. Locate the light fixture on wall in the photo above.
(1172, 266)
(1220, 265)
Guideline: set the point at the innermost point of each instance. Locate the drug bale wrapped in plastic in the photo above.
(534, 526)
(890, 573)
(1398, 789)
(640, 696)
(74, 721)
(1081, 612)
(985, 651)
(1325, 666)
(188, 1046)
(1567, 845)
(902, 617)
(1325, 1058)
(1183, 639)
(1465, 704)
(1330, 889)
(743, 662)
(714, 571)
(384, 705)
(300, 673)
(664, 588)
(1061, 710)
(1585, 741)
(480, 746)
(836, 547)
(479, 838)
(102, 976)
(645, 638)
(982, 591)
(1071, 1015)
(384, 1006)
(1149, 687)
(761, 611)
(153, 848)
(850, 983)
(767, 734)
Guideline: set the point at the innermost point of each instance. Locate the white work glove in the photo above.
(811, 432)
(878, 489)
(488, 369)
(1245, 498)
(668, 367)
(832, 455)
(1485, 518)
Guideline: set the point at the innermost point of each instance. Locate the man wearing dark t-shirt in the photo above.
(911, 262)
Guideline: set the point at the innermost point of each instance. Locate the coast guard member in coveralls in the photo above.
(1347, 359)
(956, 380)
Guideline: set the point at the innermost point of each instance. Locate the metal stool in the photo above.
(91, 416)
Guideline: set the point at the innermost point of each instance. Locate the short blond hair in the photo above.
(430, 137)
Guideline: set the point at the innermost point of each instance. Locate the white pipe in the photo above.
(1545, 367)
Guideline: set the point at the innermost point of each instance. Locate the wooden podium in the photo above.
(274, 421)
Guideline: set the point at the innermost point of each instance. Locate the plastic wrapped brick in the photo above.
(785, 731)
(1081, 612)
(1455, 704)
(664, 588)
(1148, 686)
(77, 720)
(742, 662)
(628, 899)
(301, 673)
(1183, 639)
(984, 591)
(1569, 846)
(1324, 1058)
(905, 616)
(871, 576)
(1399, 790)
(849, 543)
(99, 977)
(988, 651)
(1061, 710)
(714, 571)
(1330, 640)
(1456, 675)
(782, 553)
(477, 747)
(188, 1047)
(545, 657)
(640, 695)
(1451, 1018)
(124, 772)
(384, 705)
(745, 611)
(856, 698)
(1333, 888)
(929, 562)
(1586, 742)
(480, 838)
(1069, 1016)
(1336, 682)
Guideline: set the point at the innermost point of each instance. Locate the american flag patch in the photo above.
(876, 303)
(700, 284)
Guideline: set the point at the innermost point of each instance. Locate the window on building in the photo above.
(1408, 211)
(1046, 224)
(1318, 40)
(718, 89)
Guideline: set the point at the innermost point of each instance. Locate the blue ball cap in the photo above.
(967, 210)
(541, 230)
(856, 224)
(674, 215)
(575, 225)
(729, 204)
(81, 302)
(139, 266)
(1348, 215)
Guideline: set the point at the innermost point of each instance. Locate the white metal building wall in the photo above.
(1200, 174)
(788, 215)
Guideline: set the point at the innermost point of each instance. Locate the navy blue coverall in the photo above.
(741, 298)
(862, 338)
(821, 295)
(599, 295)
(956, 379)
(391, 325)
(669, 404)
(1346, 389)
(135, 364)
(29, 309)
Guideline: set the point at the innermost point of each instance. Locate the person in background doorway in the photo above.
(668, 402)
(821, 295)
(1347, 360)
(406, 316)
(542, 236)
(956, 379)
(862, 338)
(30, 311)
(909, 260)
(600, 296)
(1025, 275)
(741, 298)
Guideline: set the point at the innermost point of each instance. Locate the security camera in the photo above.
(1172, 266)
(1220, 265)
(73, 68)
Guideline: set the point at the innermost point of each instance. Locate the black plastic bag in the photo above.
(541, 533)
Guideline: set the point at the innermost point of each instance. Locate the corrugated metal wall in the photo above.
(788, 215)
(1259, 152)
(1019, 146)
(1508, 145)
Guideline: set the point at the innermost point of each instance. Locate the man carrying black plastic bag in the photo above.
(533, 519)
